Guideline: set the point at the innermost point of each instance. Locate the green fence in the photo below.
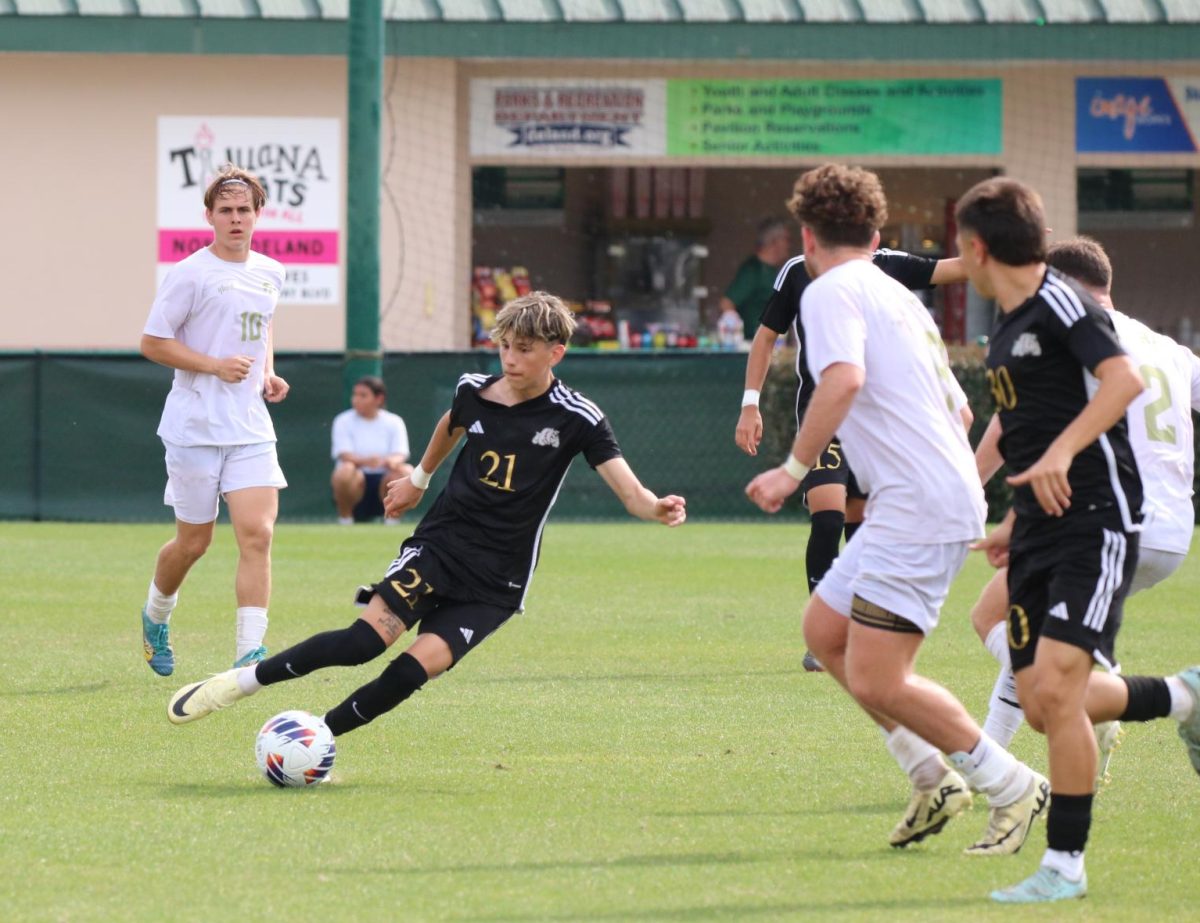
(79, 442)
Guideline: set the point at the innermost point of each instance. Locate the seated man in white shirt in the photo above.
(370, 446)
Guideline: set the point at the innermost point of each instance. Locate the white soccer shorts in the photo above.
(199, 475)
(907, 579)
(1153, 567)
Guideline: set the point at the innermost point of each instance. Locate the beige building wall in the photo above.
(79, 235)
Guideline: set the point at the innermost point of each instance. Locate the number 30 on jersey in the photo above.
(1003, 390)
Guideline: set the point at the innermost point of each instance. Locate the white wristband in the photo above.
(795, 467)
(750, 398)
(419, 477)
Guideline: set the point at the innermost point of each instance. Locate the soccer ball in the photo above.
(295, 749)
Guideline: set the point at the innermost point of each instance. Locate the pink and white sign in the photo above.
(299, 164)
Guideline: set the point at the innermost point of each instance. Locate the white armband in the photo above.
(750, 398)
(419, 477)
(795, 467)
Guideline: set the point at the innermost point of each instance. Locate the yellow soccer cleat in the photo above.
(929, 812)
(199, 699)
(1009, 825)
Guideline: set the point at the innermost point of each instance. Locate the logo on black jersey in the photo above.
(476, 427)
(548, 436)
(467, 633)
(1027, 345)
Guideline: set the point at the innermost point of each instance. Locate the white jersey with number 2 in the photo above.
(1160, 432)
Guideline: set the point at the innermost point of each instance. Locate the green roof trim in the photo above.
(991, 43)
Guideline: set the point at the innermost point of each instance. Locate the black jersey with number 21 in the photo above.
(486, 524)
(1040, 359)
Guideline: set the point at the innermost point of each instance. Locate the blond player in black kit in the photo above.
(467, 568)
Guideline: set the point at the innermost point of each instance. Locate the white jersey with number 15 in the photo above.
(1160, 432)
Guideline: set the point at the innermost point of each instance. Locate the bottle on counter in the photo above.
(730, 330)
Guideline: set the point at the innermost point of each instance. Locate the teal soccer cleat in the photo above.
(254, 656)
(1042, 887)
(1189, 727)
(156, 645)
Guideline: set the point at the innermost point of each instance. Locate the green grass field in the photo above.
(640, 745)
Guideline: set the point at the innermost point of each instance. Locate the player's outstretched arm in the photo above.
(406, 492)
(670, 510)
(948, 271)
(749, 425)
(840, 384)
(1120, 383)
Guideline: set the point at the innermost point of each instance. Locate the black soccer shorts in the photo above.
(831, 468)
(410, 591)
(1068, 581)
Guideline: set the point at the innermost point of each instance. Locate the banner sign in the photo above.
(613, 119)
(781, 118)
(298, 162)
(565, 118)
(1146, 115)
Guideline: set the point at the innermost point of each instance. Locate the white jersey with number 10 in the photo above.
(1160, 432)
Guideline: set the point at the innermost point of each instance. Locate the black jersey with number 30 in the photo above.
(486, 525)
(1040, 359)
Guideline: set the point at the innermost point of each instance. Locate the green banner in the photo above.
(782, 118)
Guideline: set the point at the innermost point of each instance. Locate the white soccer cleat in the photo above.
(929, 812)
(199, 699)
(1108, 738)
(1009, 825)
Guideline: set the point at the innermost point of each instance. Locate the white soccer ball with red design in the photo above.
(295, 750)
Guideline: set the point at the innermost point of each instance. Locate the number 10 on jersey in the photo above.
(252, 325)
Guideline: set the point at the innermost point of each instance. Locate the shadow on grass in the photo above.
(816, 909)
(252, 787)
(81, 689)
(889, 807)
(652, 860)
(627, 677)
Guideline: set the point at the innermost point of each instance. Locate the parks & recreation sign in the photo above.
(735, 118)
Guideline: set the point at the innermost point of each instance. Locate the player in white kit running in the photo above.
(884, 386)
(211, 321)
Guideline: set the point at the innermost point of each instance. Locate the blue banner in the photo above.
(1129, 115)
